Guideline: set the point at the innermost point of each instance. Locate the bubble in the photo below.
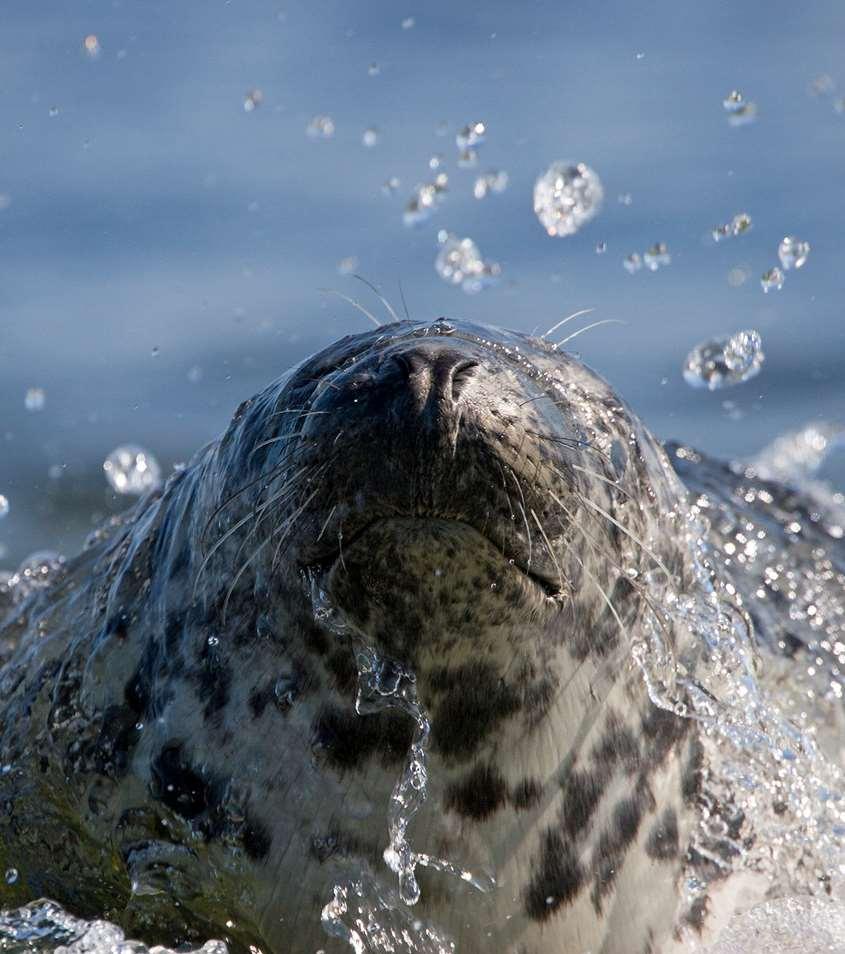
(91, 45)
(370, 137)
(35, 399)
(632, 263)
(253, 99)
(11, 875)
(409, 23)
(657, 256)
(772, 280)
(567, 196)
(389, 186)
(132, 470)
(346, 266)
(493, 181)
(459, 262)
(320, 127)
(792, 252)
(426, 199)
(471, 135)
(724, 361)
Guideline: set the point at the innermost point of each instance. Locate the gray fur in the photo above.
(174, 716)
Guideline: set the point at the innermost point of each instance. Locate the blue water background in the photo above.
(154, 212)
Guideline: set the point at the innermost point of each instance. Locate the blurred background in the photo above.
(166, 223)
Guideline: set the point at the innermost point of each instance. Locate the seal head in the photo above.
(480, 509)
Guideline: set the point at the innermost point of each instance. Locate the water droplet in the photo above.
(320, 127)
(346, 266)
(792, 252)
(426, 199)
(724, 361)
(435, 162)
(772, 280)
(744, 115)
(739, 225)
(822, 85)
(467, 159)
(459, 262)
(132, 470)
(4, 506)
(601, 248)
(253, 99)
(54, 111)
(389, 186)
(471, 135)
(11, 875)
(657, 256)
(567, 196)
(409, 23)
(373, 69)
(632, 263)
(738, 276)
(156, 351)
(733, 101)
(493, 181)
(35, 399)
(370, 137)
(194, 374)
(624, 198)
(91, 45)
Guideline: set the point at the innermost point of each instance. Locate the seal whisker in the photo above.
(607, 480)
(379, 295)
(595, 324)
(240, 573)
(351, 301)
(524, 516)
(404, 303)
(626, 531)
(604, 595)
(326, 522)
(552, 553)
(563, 321)
(288, 525)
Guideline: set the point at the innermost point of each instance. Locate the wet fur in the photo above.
(174, 717)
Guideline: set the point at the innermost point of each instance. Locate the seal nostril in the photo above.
(409, 362)
(461, 376)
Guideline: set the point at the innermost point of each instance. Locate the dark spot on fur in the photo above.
(697, 914)
(692, 777)
(348, 740)
(256, 839)
(609, 854)
(526, 794)
(118, 737)
(177, 785)
(582, 791)
(617, 744)
(662, 730)
(341, 665)
(557, 879)
(213, 680)
(480, 793)
(259, 696)
(472, 701)
(662, 842)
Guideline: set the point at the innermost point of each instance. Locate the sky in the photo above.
(164, 253)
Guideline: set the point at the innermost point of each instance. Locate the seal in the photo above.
(179, 740)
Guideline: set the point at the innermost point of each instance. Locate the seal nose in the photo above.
(435, 377)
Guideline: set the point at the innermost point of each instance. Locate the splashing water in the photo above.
(724, 361)
(384, 684)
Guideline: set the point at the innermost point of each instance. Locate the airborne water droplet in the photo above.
(724, 361)
(567, 196)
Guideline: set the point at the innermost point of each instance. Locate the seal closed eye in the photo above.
(478, 506)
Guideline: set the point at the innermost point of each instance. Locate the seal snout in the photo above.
(438, 373)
